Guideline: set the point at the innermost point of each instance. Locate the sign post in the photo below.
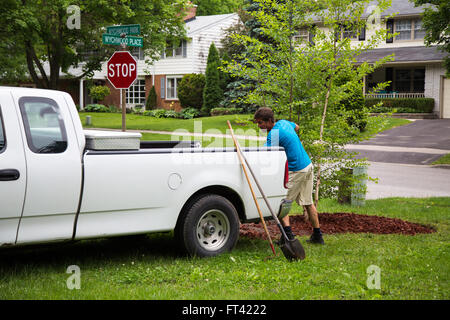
(122, 66)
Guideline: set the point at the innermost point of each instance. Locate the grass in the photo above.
(445, 159)
(150, 267)
(215, 125)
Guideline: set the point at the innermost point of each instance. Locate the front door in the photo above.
(53, 168)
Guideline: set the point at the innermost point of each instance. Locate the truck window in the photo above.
(44, 126)
(2, 134)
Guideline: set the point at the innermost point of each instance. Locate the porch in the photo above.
(391, 95)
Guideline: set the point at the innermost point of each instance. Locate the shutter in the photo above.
(311, 35)
(337, 33)
(362, 34)
(184, 47)
(390, 29)
(163, 88)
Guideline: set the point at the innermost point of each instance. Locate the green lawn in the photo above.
(215, 125)
(150, 267)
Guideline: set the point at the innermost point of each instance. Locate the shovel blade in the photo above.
(292, 249)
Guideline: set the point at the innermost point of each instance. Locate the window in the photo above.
(409, 29)
(175, 50)
(349, 33)
(135, 94)
(44, 126)
(2, 134)
(301, 36)
(138, 53)
(172, 85)
(410, 80)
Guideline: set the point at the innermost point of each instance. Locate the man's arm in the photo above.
(296, 128)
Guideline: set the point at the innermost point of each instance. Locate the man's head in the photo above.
(264, 118)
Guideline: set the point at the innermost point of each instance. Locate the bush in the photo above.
(151, 99)
(401, 105)
(99, 93)
(189, 113)
(224, 111)
(96, 108)
(190, 90)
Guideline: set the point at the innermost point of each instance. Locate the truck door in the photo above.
(12, 170)
(53, 162)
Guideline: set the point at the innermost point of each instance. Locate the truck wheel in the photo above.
(209, 227)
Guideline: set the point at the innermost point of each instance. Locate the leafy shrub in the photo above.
(401, 105)
(190, 90)
(99, 93)
(96, 108)
(224, 111)
(189, 113)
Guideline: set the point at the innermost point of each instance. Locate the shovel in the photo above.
(292, 249)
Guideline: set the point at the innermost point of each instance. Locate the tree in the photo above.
(296, 76)
(212, 93)
(211, 7)
(436, 21)
(44, 33)
(150, 104)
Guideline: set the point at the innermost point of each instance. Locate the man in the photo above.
(300, 185)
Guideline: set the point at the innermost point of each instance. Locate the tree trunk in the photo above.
(322, 125)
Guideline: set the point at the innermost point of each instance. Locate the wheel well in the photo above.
(223, 191)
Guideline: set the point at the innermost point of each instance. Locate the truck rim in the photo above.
(213, 230)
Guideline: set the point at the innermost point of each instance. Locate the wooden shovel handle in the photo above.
(236, 143)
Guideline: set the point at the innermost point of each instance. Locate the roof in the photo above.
(398, 7)
(403, 8)
(202, 22)
(404, 54)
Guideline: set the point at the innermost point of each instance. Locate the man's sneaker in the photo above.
(316, 239)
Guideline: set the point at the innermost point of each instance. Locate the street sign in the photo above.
(130, 29)
(122, 69)
(118, 40)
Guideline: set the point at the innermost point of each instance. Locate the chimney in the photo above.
(191, 12)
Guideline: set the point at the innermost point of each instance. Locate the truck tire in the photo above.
(208, 227)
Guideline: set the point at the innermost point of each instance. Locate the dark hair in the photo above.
(264, 114)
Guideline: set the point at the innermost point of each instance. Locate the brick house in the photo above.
(188, 56)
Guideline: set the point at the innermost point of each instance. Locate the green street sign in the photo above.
(118, 40)
(130, 29)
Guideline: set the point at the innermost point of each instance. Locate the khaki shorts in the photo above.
(300, 186)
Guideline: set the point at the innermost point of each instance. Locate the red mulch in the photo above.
(331, 223)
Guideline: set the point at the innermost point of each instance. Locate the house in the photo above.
(417, 70)
(188, 56)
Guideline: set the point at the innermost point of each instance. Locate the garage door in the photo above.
(445, 104)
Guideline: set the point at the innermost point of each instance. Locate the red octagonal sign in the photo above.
(122, 69)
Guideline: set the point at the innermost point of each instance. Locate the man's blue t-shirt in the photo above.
(284, 133)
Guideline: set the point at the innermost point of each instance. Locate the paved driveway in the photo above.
(400, 158)
(420, 142)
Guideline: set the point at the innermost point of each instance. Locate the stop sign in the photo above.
(122, 69)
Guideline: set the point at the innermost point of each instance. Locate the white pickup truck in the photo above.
(59, 182)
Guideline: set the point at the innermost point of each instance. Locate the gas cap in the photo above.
(174, 181)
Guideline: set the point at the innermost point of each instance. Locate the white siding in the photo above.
(433, 73)
(202, 41)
